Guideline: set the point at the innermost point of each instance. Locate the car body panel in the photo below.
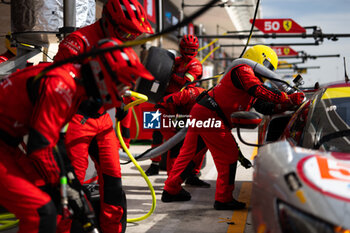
(291, 170)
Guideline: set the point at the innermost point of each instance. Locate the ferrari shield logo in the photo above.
(287, 25)
(286, 51)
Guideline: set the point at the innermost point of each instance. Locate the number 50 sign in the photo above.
(278, 26)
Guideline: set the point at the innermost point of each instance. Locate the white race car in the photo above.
(301, 179)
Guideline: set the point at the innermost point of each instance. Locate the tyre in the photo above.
(159, 62)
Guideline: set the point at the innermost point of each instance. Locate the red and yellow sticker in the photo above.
(336, 92)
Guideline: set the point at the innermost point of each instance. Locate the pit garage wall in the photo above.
(47, 15)
(36, 22)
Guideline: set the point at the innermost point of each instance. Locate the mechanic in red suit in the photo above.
(187, 68)
(235, 92)
(94, 135)
(124, 20)
(181, 103)
(173, 104)
(40, 105)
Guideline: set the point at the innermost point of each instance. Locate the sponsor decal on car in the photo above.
(329, 176)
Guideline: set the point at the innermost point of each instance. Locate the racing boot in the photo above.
(232, 205)
(183, 195)
(193, 180)
(152, 170)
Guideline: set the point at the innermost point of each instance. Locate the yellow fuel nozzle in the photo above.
(141, 98)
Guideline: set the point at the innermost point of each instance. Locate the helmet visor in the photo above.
(125, 35)
(188, 52)
(268, 65)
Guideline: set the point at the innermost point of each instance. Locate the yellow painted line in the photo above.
(255, 152)
(239, 217)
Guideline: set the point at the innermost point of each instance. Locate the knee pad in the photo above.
(200, 144)
(115, 195)
(47, 214)
(113, 192)
(188, 170)
(233, 168)
(124, 217)
(125, 132)
(175, 151)
(157, 137)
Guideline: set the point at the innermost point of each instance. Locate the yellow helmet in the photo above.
(263, 55)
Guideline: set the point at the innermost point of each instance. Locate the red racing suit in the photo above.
(39, 108)
(173, 104)
(235, 92)
(94, 136)
(184, 72)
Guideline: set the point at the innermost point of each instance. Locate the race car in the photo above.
(301, 178)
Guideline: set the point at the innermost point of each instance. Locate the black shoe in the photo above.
(183, 195)
(152, 170)
(195, 181)
(232, 205)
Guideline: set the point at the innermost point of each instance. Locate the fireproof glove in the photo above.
(79, 204)
(75, 200)
(296, 98)
(120, 113)
(243, 160)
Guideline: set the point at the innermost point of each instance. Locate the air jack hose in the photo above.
(140, 99)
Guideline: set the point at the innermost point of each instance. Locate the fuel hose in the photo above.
(140, 99)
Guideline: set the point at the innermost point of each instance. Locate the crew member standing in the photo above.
(187, 68)
(93, 133)
(38, 102)
(180, 103)
(236, 92)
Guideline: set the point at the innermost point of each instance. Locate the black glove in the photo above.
(243, 160)
(120, 113)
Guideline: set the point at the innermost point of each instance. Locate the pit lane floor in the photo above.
(195, 216)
